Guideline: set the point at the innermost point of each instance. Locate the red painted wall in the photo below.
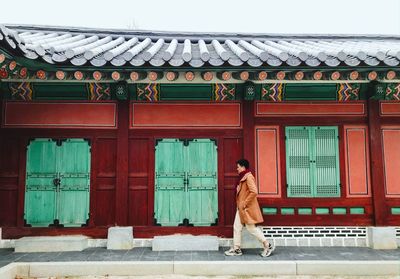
(122, 177)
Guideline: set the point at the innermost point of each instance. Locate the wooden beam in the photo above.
(122, 187)
(376, 164)
(372, 75)
(135, 76)
(280, 75)
(171, 76)
(78, 75)
(224, 75)
(189, 76)
(243, 75)
(207, 76)
(97, 75)
(60, 75)
(23, 72)
(153, 75)
(12, 65)
(354, 75)
(117, 76)
(318, 75)
(261, 75)
(390, 75)
(41, 74)
(299, 75)
(3, 73)
(335, 75)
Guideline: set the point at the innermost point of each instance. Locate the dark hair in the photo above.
(243, 163)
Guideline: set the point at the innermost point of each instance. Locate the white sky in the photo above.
(249, 16)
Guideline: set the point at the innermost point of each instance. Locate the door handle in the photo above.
(56, 181)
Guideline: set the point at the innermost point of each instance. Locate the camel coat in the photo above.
(246, 201)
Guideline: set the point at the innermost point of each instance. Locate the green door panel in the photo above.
(40, 207)
(298, 167)
(326, 166)
(170, 206)
(201, 162)
(75, 182)
(40, 193)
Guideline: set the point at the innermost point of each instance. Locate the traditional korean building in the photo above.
(137, 128)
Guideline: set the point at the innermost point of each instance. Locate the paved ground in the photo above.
(218, 277)
(146, 254)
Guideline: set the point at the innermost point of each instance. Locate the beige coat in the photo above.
(246, 201)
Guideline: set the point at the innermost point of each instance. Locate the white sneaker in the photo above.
(234, 252)
(268, 250)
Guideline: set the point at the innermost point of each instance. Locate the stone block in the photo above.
(51, 243)
(382, 237)
(120, 238)
(180, 242)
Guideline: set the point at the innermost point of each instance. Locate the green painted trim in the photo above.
(322, 210)
(395, 210)
(287, 210)
(357, 210)
(269, 210)
(304, 211)
(339, 210)
(307, 92)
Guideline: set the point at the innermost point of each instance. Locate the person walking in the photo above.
(248, 211)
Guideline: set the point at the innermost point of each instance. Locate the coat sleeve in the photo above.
(251, 183)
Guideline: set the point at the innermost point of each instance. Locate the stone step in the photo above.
(51, 243)
(180, 242)
(120, 238)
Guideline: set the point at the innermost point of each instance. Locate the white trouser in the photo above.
(237, 231)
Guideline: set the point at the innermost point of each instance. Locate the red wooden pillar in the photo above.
(377, 165)
(248, 133)
(121, 189)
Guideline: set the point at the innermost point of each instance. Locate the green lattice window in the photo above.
(312, 161)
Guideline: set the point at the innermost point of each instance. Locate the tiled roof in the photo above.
(83, 46)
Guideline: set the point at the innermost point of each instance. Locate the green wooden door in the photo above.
(186, 182)
(201, 167)
(57, 182)
(74, 182)
(41, 175)
(170, 205)
(312, 161)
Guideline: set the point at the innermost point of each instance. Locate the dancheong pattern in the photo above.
(348, 92)
(272, 92)
(99, 91)
(223, 92)
(21, 91)
(148, 92)
(393, 91)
